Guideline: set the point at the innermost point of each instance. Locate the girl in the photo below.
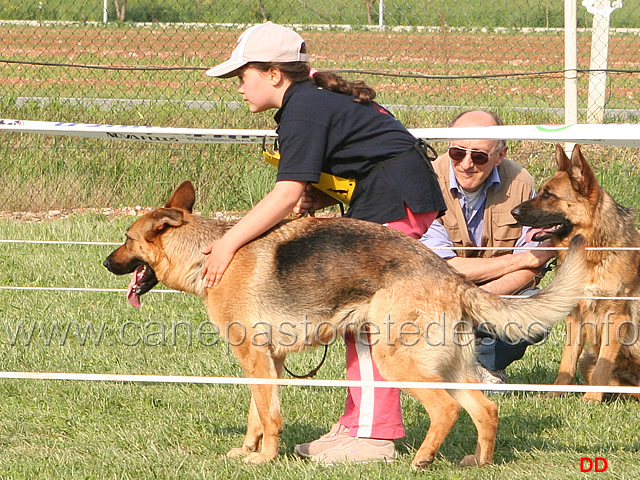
(326, 124)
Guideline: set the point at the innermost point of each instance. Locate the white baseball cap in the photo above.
(265, 42)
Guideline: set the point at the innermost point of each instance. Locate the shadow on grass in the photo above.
(517, 431)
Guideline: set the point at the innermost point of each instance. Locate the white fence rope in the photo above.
(81, 289)
(159, 290)
(601, 134)
(64, 242)
(621, 134)
(186, 379)
(59, 242)
(69, 242)
(120, 290)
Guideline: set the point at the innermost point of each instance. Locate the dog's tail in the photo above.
(531, 317)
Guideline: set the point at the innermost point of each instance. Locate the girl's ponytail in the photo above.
(335, 83)
(300, 71)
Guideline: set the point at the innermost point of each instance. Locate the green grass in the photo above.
(46, 173)
(72, 429)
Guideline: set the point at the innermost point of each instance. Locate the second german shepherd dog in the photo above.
(307, 281)
(573, 203)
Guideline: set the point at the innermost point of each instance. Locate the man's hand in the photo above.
(540, 257)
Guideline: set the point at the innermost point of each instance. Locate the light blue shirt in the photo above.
(437, 237)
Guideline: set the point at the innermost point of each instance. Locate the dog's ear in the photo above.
(162, 219)
(561, 159)
(184, 197)
(582, 177)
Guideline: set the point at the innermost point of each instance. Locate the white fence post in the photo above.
(570, 66)
(601, 10)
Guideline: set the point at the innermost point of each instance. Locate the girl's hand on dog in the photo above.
(220, 253)
(267, 213)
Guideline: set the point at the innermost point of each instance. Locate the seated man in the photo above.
(480, 188)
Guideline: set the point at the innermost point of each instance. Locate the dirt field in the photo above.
(171, 47)
(434, 53)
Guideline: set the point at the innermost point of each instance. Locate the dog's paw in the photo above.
(422, 463)
(469, 461)
(473, 461)
(552, 394)
(592, 397)
(258, 457)
(238, 452)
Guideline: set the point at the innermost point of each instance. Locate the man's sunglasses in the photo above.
(478, 157)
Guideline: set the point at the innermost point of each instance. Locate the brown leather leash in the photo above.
(313, 372)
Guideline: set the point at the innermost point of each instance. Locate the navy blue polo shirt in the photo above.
(324, 131)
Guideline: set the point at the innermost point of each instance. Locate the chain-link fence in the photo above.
(142, 63)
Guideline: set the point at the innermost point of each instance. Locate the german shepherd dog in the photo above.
(308, 280)
(569, 204)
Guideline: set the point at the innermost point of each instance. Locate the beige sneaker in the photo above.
(357, 450)
(325, 442)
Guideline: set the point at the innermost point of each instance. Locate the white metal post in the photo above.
(570, 66)
(601, 10)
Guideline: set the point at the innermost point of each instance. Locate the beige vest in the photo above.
(499, 228)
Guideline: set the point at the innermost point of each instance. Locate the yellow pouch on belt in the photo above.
(336, 187)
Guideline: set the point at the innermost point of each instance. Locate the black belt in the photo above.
(421, 147)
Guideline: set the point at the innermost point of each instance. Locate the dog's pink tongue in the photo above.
(133, 297)
(532, 231)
